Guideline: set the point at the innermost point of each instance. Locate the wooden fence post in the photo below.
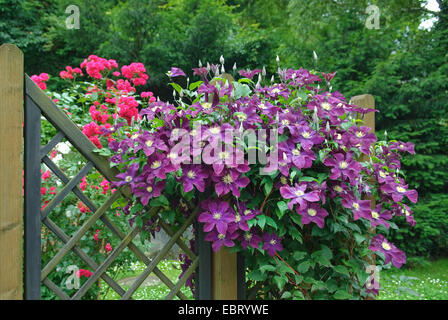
(11, 169)
(224, 263)
(367, 101)
(224, 275)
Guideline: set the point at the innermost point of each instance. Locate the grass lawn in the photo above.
(420, 283)
(146, 292)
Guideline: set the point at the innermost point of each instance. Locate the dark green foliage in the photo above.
(404, 67)
(429, 237)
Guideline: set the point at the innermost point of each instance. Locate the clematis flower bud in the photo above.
(315, 117)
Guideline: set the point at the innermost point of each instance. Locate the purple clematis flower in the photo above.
(158, 165)
(404, 210)
(250, 239)
(328, 105)
(230, 180)
(288, 121)
(243, 210)
(359, 137)
(176, 72)
(247, 116)
(379, 243)
(298, 195)
(402, 146)
(291, 154)
(344, 166)
(398, 191)
(218, 215)
(249, 73)
(146, 191)
(276, 90)
(149, 143)
(221, 239)
(193, 175)
(337, 190)
(217, 134)
(244, 214)
(272, 243)
(314, 213)
(129, 176)
(268, 108)
(378, 217)
(307, 137)
(382, 175)
(329, 76)
(372, 286)
(360, 208)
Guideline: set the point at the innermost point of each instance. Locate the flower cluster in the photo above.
(135, 72)
(95, 65)
(197, 154)
(84, 273)
(70, 73)
(40, 80)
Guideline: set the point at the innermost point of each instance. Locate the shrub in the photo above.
(283, 171)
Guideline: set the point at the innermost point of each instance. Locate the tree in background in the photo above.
(404, 67)
(411, 88)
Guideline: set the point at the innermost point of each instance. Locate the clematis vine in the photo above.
(309, 191)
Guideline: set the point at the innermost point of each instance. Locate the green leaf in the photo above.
(195, 85)
(136, 208)
(160, 201)
(326, 251)
(299, 255)
(280, 282)
(245, 80)
(256, 275)
(176, 87)
(304, 266)
(169, 215)
(342, 295)
(322, 260)
(332, 285)
(252, 222)
(341, 269)
(296, 218)
(271, 222)
(261, 221)
(268, 187)
(283, 207)
(295, 233)
(359, 238)
(286, 295)
(267, 267)
(298, 295)
(138, 221)
(241, 90)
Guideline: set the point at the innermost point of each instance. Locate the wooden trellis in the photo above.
(37, 103)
